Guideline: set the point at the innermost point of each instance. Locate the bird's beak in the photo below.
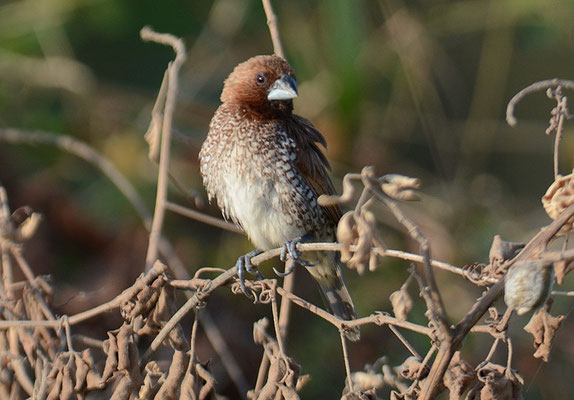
(284, 88)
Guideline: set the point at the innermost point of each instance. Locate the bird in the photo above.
(263, 165)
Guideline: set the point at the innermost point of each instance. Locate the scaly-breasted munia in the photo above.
(263, 165)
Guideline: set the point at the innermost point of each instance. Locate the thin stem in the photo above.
(262, 372)
(163, 173)
(199, 216)
(405, 342)
(275, 313)
(346, 359)
(193, 336)
(285, 310)
(535, 87)
(273, 30)
(489, 355)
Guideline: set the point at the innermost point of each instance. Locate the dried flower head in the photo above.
(557, 198)
(528, 285)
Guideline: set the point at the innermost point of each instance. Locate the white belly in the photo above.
(257, 208)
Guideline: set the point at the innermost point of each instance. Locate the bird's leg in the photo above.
(244, 264)
(290, 247)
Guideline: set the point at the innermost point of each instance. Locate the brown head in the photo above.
(264, 84)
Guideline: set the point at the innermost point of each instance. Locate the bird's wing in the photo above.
(311, 162)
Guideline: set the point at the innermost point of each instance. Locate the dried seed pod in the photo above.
(500, 383)
(502, 250)
(153, 379)
(360, 395)
(400, 187)
(26, 223)
(402, 303)
(366, 232)
(302, 381)
(21, 225)
(162, 312)
(54, 393)
(259, 331)
(346, 234)
(412, 368)
(561, 269)
(81, 371)
(124, 388)
(367, 380)
(125, 347)
(198, 383)
(111, 350)
(458, 377)
(543, 327)
(67, 392)
(528, 285)
(558, 197)
(175, 375)
(281, 380)
(144, 293)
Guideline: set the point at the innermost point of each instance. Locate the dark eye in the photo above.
(261, 79)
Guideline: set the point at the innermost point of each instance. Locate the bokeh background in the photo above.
(412, 87)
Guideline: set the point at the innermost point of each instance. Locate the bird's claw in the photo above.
(290, 247)
(289, 267)
(244, 264)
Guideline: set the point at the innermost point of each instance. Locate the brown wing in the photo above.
(311, 162)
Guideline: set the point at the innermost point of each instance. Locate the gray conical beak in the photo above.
(284, 88)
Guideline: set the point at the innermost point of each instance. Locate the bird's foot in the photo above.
(290, 247)
(244, 264)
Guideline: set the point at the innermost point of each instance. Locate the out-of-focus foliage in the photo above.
(411, 87)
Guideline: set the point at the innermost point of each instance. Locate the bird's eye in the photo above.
(261, 79)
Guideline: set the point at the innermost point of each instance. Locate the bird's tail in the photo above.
(327, 274)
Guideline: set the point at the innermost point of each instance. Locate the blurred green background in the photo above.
(412, 87)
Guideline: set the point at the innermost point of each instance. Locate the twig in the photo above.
(88, 341)
(262, 372)
(346, 359)
(199, 216)
(424, 365)
(489, 355)
(66, 324)
(24, 267)
(284, 311)
(537, 86)
(193, 339)
(377, 318)
(328, 246)
(7, 271)
(273, 30)
(561, 293)
(509, 356)
(275, 314)
(405, 342)
(161, 195)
